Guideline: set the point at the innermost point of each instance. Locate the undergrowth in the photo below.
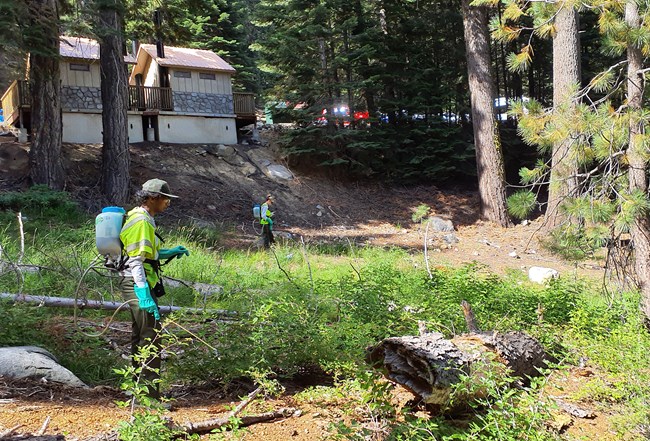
(304, 307)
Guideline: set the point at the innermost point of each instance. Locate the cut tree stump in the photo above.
(429, 365)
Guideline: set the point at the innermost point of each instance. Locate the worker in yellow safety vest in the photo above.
(140, 282)
(266, 219)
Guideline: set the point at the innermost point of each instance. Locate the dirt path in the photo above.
(78, 415)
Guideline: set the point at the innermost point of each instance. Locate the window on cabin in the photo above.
(207, 76)
(83, 67)
(182, 74)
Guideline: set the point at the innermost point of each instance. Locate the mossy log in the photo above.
(429, 364)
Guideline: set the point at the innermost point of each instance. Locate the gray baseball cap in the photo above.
(158, 186)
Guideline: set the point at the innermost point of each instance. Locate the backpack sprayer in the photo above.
(108, 225)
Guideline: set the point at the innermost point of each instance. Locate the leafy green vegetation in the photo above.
(319, 308)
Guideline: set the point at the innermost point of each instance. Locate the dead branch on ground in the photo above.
(65, 302)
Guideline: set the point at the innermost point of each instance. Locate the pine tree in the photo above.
(610, 145)
(41, 38)
(489, 157)
(115, 180)
(566, 80)
(637, 154)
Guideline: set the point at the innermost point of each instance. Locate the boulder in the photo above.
(225, 151)
(33, 362)
(439, 224)
(270, 169)
(248, 169)
(279, 172)
(541, 275)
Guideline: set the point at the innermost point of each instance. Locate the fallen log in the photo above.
(429, 365)
(65, 302)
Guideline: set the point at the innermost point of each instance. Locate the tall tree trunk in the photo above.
(46, 123)
(489, 157)
(364, 70)
(638, 171)
(566, 74)
(114, 84)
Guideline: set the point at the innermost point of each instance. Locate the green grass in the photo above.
(322, 306)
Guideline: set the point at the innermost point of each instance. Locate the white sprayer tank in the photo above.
(108, 225)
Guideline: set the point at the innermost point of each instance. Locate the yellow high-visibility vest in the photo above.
(265, 212)
(138, 236)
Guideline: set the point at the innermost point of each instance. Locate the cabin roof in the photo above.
(81, 48)
(199, 59)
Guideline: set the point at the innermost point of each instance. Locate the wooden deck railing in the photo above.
(244, 103)
(16, 97)
(150, 98)
(140, 98)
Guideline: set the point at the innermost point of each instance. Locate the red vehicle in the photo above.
(343, 112)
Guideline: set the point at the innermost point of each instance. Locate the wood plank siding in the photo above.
(75, 77)
(221, 84)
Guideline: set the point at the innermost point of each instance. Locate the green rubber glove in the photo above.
(145, 301)
(178, 251)
(270, 223)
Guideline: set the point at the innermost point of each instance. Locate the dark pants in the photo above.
(267, 235)
(144, 331)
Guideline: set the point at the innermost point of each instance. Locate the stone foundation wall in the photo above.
(81, 98)
(193, 102)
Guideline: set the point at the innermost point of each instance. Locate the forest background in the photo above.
(435, 79)
(482, 91)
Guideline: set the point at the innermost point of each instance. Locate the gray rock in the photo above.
(270, 169)
(450, 239)
(235, 160)
(542, 275)
(34, 362)
(248, 169)
(225, 151)
(439, 224)
(280, 172)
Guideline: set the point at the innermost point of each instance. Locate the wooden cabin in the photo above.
(176, 95)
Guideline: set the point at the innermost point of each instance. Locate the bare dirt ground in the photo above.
(214, 192)
(48, 410)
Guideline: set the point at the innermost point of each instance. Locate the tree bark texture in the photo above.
(429, 365)
(638, 165)
(46, 123)
(114, 83)
(489, 156)
(566, 74)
